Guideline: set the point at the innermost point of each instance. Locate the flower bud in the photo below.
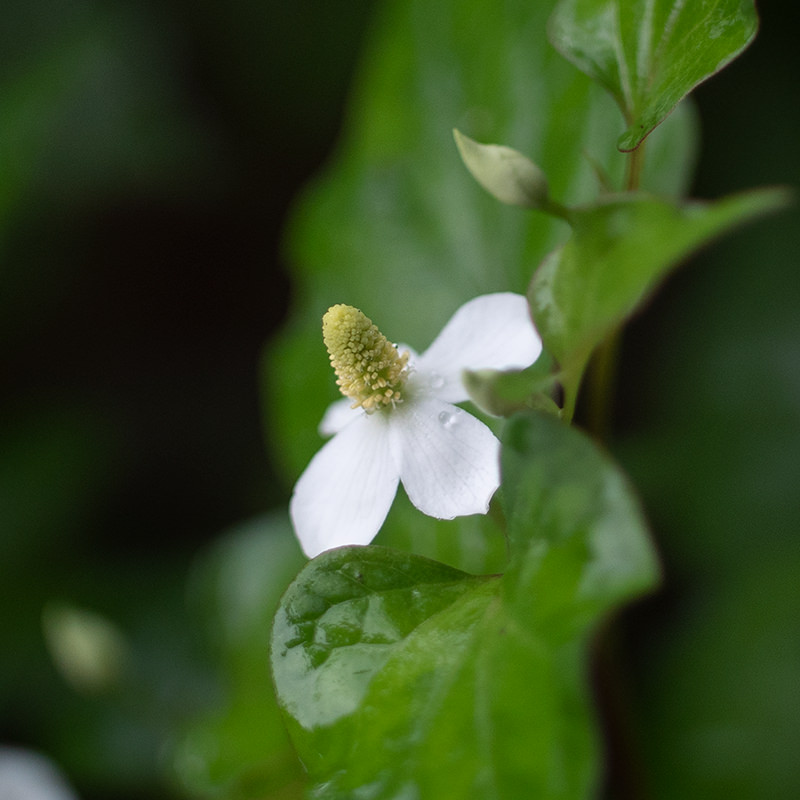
(505, 173)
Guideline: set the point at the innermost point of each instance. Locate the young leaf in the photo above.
(403, 678)
(651, 54)
(503, 393)
(620, 249)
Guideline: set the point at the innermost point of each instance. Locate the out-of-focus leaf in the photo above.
(621, 248)
(576, 531)
(238, 749)
(397, 217)
(651, 54)
(403, 677)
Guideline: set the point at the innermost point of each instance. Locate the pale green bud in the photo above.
(504, 172)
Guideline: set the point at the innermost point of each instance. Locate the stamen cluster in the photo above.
(369, 368)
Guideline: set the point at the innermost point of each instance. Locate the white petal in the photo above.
(338, 414)
(493, 331)
(346, 490)
(449, 461)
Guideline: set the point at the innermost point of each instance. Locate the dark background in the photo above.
(149, 153)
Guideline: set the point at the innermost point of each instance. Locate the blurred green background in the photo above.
(149, 154)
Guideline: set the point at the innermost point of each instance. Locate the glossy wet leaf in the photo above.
(402, 677)
(621, 248)
(651, 54)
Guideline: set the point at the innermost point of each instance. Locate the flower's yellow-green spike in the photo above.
(369, 369)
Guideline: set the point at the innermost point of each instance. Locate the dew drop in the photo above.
(436, 381)
(447, 419)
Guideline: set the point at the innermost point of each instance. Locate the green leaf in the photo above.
(339, 623)
(651, 54)
(402, 677)
(474, 544)
(578, 539)
(621, 248)
(503, 393)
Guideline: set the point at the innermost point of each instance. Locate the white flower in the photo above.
(398, 422)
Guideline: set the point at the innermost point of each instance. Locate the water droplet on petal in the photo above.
(447, 419)
(436, 381)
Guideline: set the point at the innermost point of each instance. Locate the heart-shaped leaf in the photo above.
(402, 677)
(651, 54)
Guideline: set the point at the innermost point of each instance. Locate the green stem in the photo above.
(555, 209)
(625, 776)
(603, 369)
(635, 163)
(601, 382)
(625, 779)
